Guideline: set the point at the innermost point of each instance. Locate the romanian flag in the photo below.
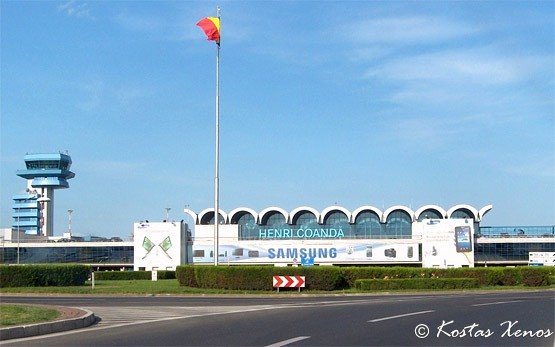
(211, 27)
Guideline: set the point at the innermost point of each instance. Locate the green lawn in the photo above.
(171, 286)
(126, 287)
(13, 314)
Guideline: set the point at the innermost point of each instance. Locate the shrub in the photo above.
(185, 275)
(122, 275)
(43, 275)
(535, 277)
(416, 283)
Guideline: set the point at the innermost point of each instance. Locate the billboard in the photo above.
(447, 243)
(295, 252)
(159, 245)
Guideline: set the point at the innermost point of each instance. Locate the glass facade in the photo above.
(509, 251)
(336, 225)
(517, 231)
(68, 254)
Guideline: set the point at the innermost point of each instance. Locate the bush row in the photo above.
(335, 278)
(43, 275)
(257, 277)
(486, 276)
(417, 283)
(133, 275)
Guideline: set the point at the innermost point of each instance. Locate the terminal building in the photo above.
(430, 236)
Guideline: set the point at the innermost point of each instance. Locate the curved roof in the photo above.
(436, 208)
(331, 209)
(398, 208)
(192, 214)
(366, 208)
(299, 210)
(203, 214)
(241, 211)
(321, 216)
(463, 207)
(271, 210)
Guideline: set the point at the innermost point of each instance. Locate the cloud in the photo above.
(407, 30)
(74, 9)
(465, 66)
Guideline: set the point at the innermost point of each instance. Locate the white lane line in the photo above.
(286, 342)
(497, 303)
(399, 316)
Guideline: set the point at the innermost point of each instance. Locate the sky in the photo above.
(322, 103)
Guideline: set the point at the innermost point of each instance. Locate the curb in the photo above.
(22, 331)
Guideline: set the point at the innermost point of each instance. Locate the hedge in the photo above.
(486, 276)
(43, 275)
(257, 277)
(417, 283)
(133, 275)
(327, 278)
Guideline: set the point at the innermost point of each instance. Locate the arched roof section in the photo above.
(192, 214)
(204, 215)
(299, 210)
(265, 213)
(436, 208)
(361, 209)
(472, 210)
(483, 212)
(330, 209)
(398, 208)
(237, 213)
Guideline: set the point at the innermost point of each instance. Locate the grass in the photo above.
(13, 314)
(171, 286)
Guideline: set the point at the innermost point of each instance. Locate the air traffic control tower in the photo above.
(34, 210)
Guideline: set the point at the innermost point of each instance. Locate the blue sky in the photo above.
(350, 103)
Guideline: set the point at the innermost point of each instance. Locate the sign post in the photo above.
(289, 282)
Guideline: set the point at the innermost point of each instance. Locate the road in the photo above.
(464, 319)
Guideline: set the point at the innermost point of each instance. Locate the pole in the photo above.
(18, 212)
(69, 212)
(217, 173)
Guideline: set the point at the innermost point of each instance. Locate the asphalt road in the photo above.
(461, 319)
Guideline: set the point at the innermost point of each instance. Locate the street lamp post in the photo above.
(168, 213)
(69, 212)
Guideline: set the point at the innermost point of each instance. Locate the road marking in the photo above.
(286, 342)
(399, 316)
(497, 303)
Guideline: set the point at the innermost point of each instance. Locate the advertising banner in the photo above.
(447, 243)
(308, 252)
(158, 246)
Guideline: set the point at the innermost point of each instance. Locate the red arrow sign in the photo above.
(289, 281)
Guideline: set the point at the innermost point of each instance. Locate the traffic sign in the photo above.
(288, 282)
(307, 261)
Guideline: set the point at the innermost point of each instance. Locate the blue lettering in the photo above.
(271, 253)
(333, 253)
(261, 233)
(291, 253)
(280, 253)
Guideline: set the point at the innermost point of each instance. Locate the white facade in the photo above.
(159, 246)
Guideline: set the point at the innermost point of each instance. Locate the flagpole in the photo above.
(217, 173)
